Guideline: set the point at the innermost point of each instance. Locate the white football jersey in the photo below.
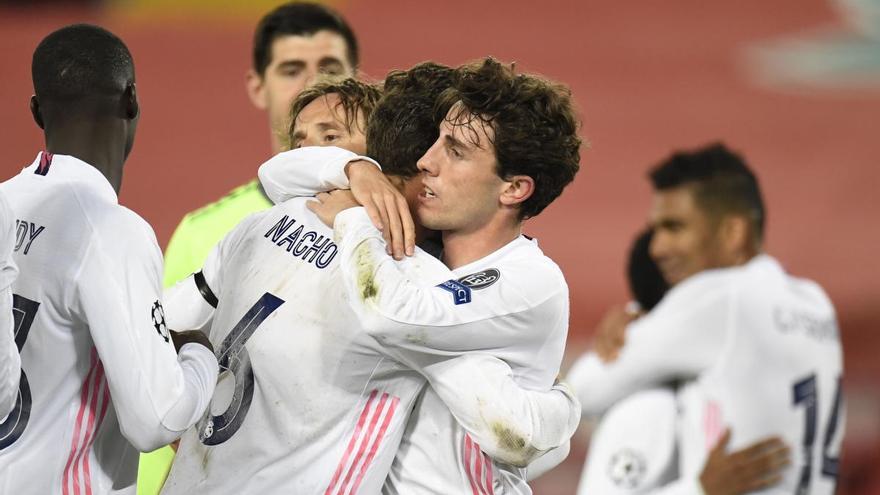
(10, 363)
(763, 351)
(308, 402)
(634, 449)
(100, 377)
(511, 304)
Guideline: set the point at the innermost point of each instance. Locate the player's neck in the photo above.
(461, 247)
(93, 144)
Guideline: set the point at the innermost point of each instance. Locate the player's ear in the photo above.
(256, 89)
(517, 189)
(735, 235)
(131, 106)
(35, 111)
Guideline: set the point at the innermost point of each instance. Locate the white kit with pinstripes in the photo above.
(505, 315)
(100, 377)
(309, 401)
(760, 353)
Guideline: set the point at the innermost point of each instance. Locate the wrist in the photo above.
(360, 165)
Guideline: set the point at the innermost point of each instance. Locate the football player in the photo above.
(498, 159)
(758, 349)
(100, 376)
(309, 401)
(634, 450)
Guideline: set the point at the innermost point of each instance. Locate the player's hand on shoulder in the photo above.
(753, 468)
(330, 204)
(385, 205)
(180, 339)
(611, 332)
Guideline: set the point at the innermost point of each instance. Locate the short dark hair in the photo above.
(646, 283)
(355, 97)
(536, 131)
(79, 61)
(403, 126)
(300, 19)
(721, 181)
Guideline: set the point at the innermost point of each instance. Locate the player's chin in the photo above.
(671, 274)
(430, 219)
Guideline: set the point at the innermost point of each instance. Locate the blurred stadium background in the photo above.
(790, 83)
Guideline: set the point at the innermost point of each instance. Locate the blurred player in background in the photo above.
(10, 361)
(311, 388)
(634, 448)
(292, 45)
(500, 158)
(758, 349)
(100, 376)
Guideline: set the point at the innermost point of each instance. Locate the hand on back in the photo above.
(753, 468)
(611, 332)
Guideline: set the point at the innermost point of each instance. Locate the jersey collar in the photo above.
(72, 169)
(519, 242)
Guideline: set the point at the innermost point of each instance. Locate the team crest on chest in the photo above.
(481, 280)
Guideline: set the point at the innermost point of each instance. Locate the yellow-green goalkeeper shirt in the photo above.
(201, 229)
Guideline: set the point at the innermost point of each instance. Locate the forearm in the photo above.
(306, 172)
(511, 424)
(652, 355)
(540, 466)
(152, 418)
(417, 304)
(596, 386)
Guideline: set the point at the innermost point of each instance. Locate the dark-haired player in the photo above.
(758, 349)
(293, 44)
(100, 376)
(507, 146)
(314, 404)
(633, 450)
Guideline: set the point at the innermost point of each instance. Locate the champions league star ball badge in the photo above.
(158, 314)
(627, 468)
(481, 280)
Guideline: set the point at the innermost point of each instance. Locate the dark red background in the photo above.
(648, 76)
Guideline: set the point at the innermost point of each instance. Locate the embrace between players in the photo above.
(351, 361)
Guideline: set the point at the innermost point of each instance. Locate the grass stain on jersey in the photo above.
(512, 442)
(419, 337)
(366, 282)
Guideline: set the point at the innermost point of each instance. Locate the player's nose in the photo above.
(427, 163)
(659, 247)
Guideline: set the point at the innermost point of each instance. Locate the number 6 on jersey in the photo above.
(233, 357)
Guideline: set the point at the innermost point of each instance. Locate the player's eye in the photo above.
(296, 140)
(332, 69)
(330, 138)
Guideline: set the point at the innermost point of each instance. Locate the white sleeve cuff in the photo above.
(349, 219)
(200, 371)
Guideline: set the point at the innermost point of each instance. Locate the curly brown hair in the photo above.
(403, 125)
(534, 124)
(356, 98)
